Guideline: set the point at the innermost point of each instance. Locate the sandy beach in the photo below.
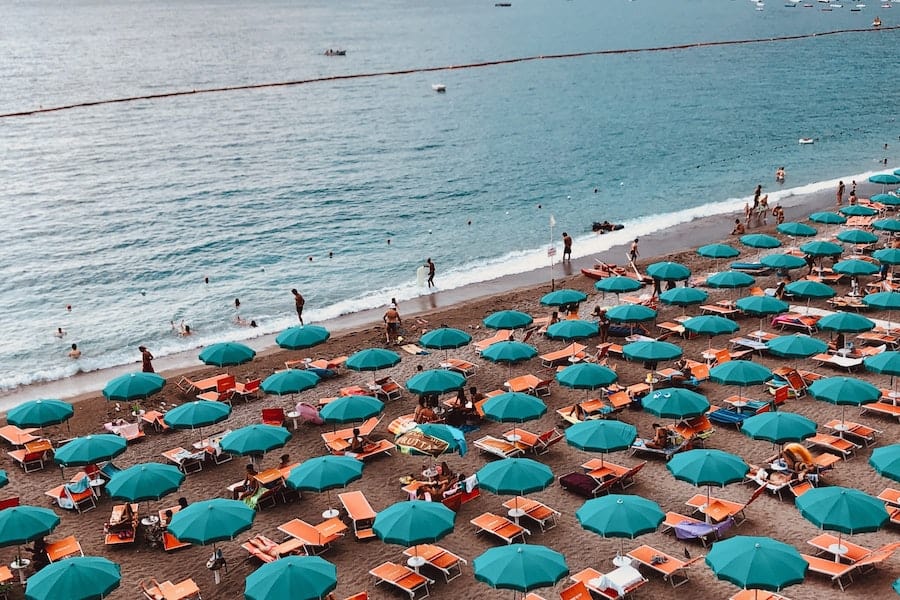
(464, 309)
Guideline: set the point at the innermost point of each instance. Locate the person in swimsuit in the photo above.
(633, 253)
(392, 320)
(567, 247)
(430, 266)
(298, 302)
(146, 360)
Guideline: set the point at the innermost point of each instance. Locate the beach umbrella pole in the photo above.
(330, 513)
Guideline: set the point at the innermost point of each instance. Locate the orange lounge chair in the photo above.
(757, 595)
(222, 392)
(315, 538)
(891, 496)
(840, 446)
(533, 596)
(624, 476)
(539, 444)
(576, 591)
(673, 570)
(502, 335)
(246, 390)
(64, 548)
(865, 434)
(18, 437)
(529, 384)
(388, 389)
(539, 512)
(360, 512)
(500, 527)
(130, 431)
(836, 571)
(719, 509)
(697, 429)
(443, 560)
(597, 582)
(498, 447)
(572, 351)
(338, 441)
(883, 408)
(188, 386)
(188, 462)
(31, 458)
(463, 367)
(402, 577)
(273, 416)
(373, 449)
(125, 536)
(169, 541)
(166, 590)
(155, 418)
(266, 550)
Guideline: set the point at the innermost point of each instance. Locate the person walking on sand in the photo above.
(298, 302)
(146, 360)
(567, 247)
(633, 252)
(392, 321)
(840, 193)
(430, 266)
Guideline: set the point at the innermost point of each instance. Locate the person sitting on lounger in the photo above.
(250, 484)
(38, 549)
(837, 343)
(683, 374)
(660, 437)
(424, 413)
(445, 473)
(797, 458)
(359, 443)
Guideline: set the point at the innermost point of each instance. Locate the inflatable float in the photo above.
(606, 226)
(603, 270)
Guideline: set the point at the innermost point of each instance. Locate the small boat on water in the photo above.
(332, 52)
(504, 4)
(606, 226)
(439, 87)
(805, 141)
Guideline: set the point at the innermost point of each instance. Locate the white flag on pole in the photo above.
(552, 221)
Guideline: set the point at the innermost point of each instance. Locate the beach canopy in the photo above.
(675, 403)
(886, 461)
(572, 329)
(514, 476)
(563, 297)
(520, 567)
(779, 427)
(857, 236)
(290, 381)
(145, 481)
(133, 386)
(508, 319)
(804, 288)
(413, 522)
(740, 372)
(796, 229)
(618, 285)
(351, 409)
(509, 352)
(855, 267)
(40, 413)
(445, 338)
(78, 578)
(630, 313)
(892, 225)
(883, 300)
(620, 516)
(730, 279)
(513, 407)
(885, 179)
(324, 473)
(371, 359)
(760, 240)
(292, 578)
(197, 413)
(299, 337)
(668, 271)
(706, 466)
(90, 449)
(828, 218)
(761, 305)
(845, 322)
(257, 438)
(718, 251)
(653, 351)
(211, 521)
(586, 376)
(601, 435)
(798, 345)
(821, 248)
(683, 296)
(435, 381)
(846, 510)
(887, 363)
(225, 354)
(857, 210)
(432, 439)
(21, 524)
(889, 199)
(710, 325)
(782, 261)
(887, 256)
(844, 392)
(757, 563)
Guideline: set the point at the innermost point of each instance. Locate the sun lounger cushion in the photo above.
(749, 266)
(691, 529)
(582, 484)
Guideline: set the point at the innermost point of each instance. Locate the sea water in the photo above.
(342, 189)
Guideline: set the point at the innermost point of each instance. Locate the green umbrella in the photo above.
(514, 407)
(710, 325)
(841, 509)
(885, 179)
(133, 386)
(675, 403)
(430, 439)
(730, 279)
(621, 516)
(40, 413)
(302, 336)
(508, 319)
(797, 345)
(779, 427)
(889, 301)
(514, 476)
(572, 329)
(740, 372)
(888, 199)
(90, 449)
(289, 381)
(618, 285)
(509, 352)
(351, 409)
(601, 436)
(821, 248)
(683, 296)
(630, 313)
(782, 261)
(78, 578)
(372, 359)
(294, 577)
(21, 524)
(857, 236)
(892, 225)
(146, 481)
(196, 414)
(844, 391)
(257, 438)
(4, 478)
(886, 461)
(845, 322)
(668, 271)
(757, 563)
(520, 567)
(708, 467)
(884, 362)
(804, 288)
(760, 240)
(653, 352)
(227, 353)
(413, 522)
(325, 473)
(887, 256)
(718, 251)
(796, 229)
(445, 338)
(828, 218)
(563, 297)
(855, 267)
(435, 381)
(586, 376)
(211, 521)
(760, 306)
(857, 210)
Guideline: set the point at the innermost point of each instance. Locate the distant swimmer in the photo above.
(146, 360)
(299, 302)
(181, 329)
(237, 302)
(779, 175)
(60, 333)
(238, 320)
(876, 22)
(68, 308)
(74, 352)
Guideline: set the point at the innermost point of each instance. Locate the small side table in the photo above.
(293, 416)
(330, 513)
(515, 514)
(149, 521)
(415, 562)
(96, 485)
(20, 565)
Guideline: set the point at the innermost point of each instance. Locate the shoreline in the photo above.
(683, 236)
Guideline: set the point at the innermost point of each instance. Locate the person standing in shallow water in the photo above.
(431, 269)
(298, 302)
(146, 360)
(567, 247)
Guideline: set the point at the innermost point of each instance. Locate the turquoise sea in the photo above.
(122, 210)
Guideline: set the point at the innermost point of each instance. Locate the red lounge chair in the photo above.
(273, 416)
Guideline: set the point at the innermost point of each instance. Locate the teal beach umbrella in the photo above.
(509, 352)
(886, 461)
(21, 524)
(761, 306)
(718, 251)
(413, 522)
(887, 256)
(841, 509)
(857, 210)
(845, 322)
(675, 403)
(563, 297)
(888, 199)
(601, 436)
(351, 409)
(892, 225)
(78, 578)
(711, 325)
(620, 516)
(844, 391)
(796, 229)
(618, 285)
(145, 481)
(289, 381)
(572, 329)
(325, 473)
(630, 313)
(520, 567)
(435, 381)
(40, 413)
(683, 296)
(855, 267)
(372, 359)
(514, 476)
(302, 336)
(586, 376)
(257, 438)
(797, 345)
(828, 218)
(857, 236)
(668, 271)
(133, 386)
(708, 467)
(514, 407)
(226, 354)
(196, 414)
(779, 427)
(804, 288)
(757, 563)
(889, 301)
(740, 372)
(760, 240)
(292, 577)
(4, 478)
(653, 352)
(508, 319)
(821, 248)
(90, 449)
(782, 261)
(211, 521)
(884, 362)
(445, 338)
